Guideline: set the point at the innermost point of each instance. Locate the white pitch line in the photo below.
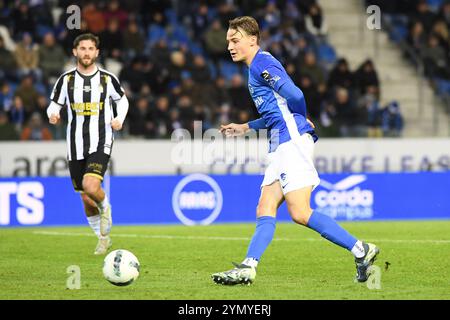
(129, 235)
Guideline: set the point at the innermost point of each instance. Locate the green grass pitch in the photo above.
(176, 262)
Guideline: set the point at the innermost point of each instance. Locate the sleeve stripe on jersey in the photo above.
(57, 91)
(116, 84)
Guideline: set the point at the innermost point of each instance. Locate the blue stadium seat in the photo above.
(443, 87)
(171, 16)
(326, 53)
(42, 30)
(212, 69)
(435, 4)
(179, 34)
(195, 48)
(41, 88)
(155, 33)
(228, 69)
(399, 33)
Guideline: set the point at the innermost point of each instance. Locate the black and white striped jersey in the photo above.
(89, 102)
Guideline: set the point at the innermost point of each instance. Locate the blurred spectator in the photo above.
(366, 76)
(370, 112)
(271, 16)
(36, 130)
(17, 115)
(133, 75)
(444, 13)
(226, 11)
(221, 100)
(51, 58)
(239, 95)
(156, 30)
(186, 113)
(141, 120)
(94, 18)
(424, 15)
(299, 49)
(115, 12)
(177, 66)
(315, 22)
(340, 75)
(7, 130)
(416, 37)
(311, 68)
(200, 21)
(440, 30)
(28, 94)
(216, 43)
(313, 98)
(343, 114)
(392, 120)
(200, 71)
(23, 19)
(133, 40)
(7, 63)
(6, 96)
(111, 40)
(435, 59)
(163, 125)
(27, 56)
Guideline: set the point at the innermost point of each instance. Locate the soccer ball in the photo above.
(121, 267)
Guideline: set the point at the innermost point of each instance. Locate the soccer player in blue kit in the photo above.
(290, 175)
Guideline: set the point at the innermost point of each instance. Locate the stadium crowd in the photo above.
(423, 26)
(171, 57)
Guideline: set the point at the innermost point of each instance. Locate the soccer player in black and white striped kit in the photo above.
(88, 91)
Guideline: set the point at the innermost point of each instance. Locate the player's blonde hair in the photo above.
(246, 23)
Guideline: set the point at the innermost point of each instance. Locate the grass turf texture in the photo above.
(176, 262)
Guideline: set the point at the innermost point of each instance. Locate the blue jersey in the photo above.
(279, 102)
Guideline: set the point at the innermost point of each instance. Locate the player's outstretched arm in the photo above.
(234, 129)
(53, 112)
(122, 110)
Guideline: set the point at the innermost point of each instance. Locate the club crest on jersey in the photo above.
(87, 88)
(100, 88)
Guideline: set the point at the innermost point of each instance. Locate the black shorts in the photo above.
(94, 165)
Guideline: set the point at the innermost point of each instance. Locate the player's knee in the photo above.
(91, 185)
(266, 209)
(301, 216)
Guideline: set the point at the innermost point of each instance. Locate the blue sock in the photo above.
(330, 230)
(265, 228)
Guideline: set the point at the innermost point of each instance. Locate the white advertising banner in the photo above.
(145, 157)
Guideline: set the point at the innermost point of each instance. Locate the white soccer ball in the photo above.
(121, 267)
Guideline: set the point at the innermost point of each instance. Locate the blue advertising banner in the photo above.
(203, 199)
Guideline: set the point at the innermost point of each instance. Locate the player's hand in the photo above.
(311, 123)
(54, 118)
(234, 129)
(116, 124)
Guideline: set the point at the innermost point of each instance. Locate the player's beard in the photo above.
(88, 64)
